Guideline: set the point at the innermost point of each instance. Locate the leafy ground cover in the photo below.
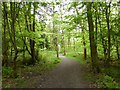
(107, 78)
(27, 75)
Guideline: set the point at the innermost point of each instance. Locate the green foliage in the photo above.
(7, 72)
(106, 81)
(112, 71)
(76, 56)
(47, 61)
(72, 26)
(43, 4)
(77, 19)
(51, 60)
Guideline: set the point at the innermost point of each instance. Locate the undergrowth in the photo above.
(106, 81)
(78, 56)
(107, 78)
(47, 61)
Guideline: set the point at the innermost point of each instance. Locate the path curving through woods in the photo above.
(68, 74)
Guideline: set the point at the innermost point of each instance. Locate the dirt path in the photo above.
(68, 74)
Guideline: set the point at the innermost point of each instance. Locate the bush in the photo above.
(7, 71)
(106, 81)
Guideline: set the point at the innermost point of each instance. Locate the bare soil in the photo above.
(68, 74)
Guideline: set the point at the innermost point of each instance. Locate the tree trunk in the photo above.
(102, 39)
(83, 37)
(84, 44)
(13, 16)
(108, 26)
(69, 41)
(64, 44)
(5, 42)
(117, 51)
(74, 43)
(57, 48)
(117, 47)
(32, 42)
(96, 29)
(94, 56)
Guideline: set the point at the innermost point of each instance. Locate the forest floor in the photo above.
(68, 74)
(70, 71)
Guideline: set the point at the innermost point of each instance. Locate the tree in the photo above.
(94, 57)
(5, 40)
(109, 30)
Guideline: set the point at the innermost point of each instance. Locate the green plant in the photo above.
(106, 81)
(76, 56)
(7, 71)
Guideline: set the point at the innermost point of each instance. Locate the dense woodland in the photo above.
(35, 31)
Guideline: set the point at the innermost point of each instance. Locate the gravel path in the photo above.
(68, 74)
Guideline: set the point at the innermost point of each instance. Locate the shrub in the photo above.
(7, 71)
(106, 81)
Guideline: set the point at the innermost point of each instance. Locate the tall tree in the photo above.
(107, 12)
(5, 40)
(55, 31)
(94, 55)
(32, 42)
(102, 37)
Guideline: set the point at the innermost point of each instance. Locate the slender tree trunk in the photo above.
(27, 27)
(64, 44)
(74, 43)
(85, 51)
(33, 51)
(94, 56)
(11, 54)
(117, 51)
(118, 44)
(84, 44)
(24, 40)
(96, 29)
(5, 42)
(108, 26)
(13, 34)
(57, 49)
(32, 29)
(54, 45)
(102, 39)
(83, 37)
(117, 47)
(55, 34)
(69, 41)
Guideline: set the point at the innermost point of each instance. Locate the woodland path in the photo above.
(68, 74)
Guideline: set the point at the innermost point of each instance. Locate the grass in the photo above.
(106, 81)
(30, 73)
(78, 56)
(52, 61)
(107, 78)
